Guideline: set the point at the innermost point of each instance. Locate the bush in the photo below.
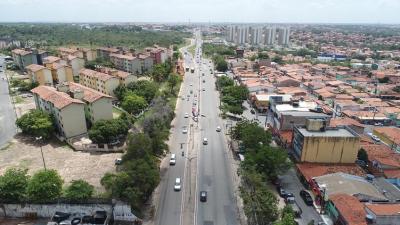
(105, 131)
(45, 185)
(36, 123)
(13, 185)
(79, 190)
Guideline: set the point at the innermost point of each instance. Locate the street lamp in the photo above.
(41, 150)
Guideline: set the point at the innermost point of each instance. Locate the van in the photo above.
(172, 160)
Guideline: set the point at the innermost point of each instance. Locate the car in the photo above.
(204, 81)
(204, 89)
(118, 161)
(184, 130)
(183, 98)
(375, 138)
(205, 141)
(177, 186)
(218, 129)
(188, 96)
(282, 192)
(186, 115)
(172, 160)
(289, 197)
(378, 124)
(194, 103)
(203, 196)
(306, 197)
(191, 84)
(252, 111)
(195, 118)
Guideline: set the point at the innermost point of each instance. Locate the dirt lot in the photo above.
(71, 165)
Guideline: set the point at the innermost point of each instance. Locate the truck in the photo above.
(192, 70)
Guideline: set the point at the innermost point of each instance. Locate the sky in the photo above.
(234, 11)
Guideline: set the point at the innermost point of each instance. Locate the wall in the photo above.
(330, 149)
(72, 118)
(100, 109)
(110, 85)
(77, 64)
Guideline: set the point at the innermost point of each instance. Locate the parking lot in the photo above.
(24, 152)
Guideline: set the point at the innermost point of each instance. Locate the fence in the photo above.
(105, 148)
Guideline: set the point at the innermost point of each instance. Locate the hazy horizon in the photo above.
(215, 11)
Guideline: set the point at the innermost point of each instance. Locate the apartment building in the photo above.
(256, 35)
(127, 63)
(68, 112)
(159, 55)
(146, 62)
(88, 54)
(317, 143)
(65, 52)
(283, 36)
(40, 74)
(269, 35)
(124, 77)
(76, 64)
(98, 106)
(98, 81)
(60, 71)
(104, 52)
(25, 57)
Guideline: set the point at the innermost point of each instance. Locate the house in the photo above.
(383, 214)
(98, 106)
(40, 74)
(286, 120)
(124, 77)
(88, 54)
(346, 209)
(383, 161)
(389, 135)
(25, 57)
(60, 72)
(262, 101)
(65, 52)
(158, 54)
(346, 121)
(98, 81)
(293, 91)
(315, 142)
(287, 82)
(68, 112)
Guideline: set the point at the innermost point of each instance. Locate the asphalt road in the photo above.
(170, 207)
(214, 169)
(7, 115)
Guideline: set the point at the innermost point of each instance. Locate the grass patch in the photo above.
(192, 49)
(116, 112)
(18, 100)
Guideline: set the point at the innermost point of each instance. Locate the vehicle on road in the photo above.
(306, 197)
(192, 70)
(177, 186)
(187, 68)
(203, 196)
(204, 89)
(296, 208)
(184, 130)
(191, 84)
(375, 138)
(204, 81)
(252, 111)
(205, 141)
(118, 161)
(218, 129)
(186, 115)
(195, 119)
(172, 160)
(282, 192)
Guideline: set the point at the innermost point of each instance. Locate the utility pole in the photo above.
(39, 139)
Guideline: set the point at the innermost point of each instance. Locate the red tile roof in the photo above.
(392, 133)
(20, 51)
(95, 74)
(384, 209)
(344, 121)
(35, 67)
(90, 95)
(59, 99)
(310, 170)
(350, 208)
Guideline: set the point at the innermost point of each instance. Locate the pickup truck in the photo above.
(296, 208)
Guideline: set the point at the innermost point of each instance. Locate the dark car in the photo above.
(306, 197)
(252, 111)
(203, 196)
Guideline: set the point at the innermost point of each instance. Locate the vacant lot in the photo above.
(71, 165)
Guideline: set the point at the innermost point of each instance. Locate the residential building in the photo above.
(40, 74)
(346, 209)
(104, 52)
(127, 63)
(60, 72)
(124, 77)
(65, 52)
(283, 36)
(383, 214)
(68, 112)
(315, 142)
(98, 81)
(256, 36)
(25, 57)
(98, 106)
(262, 101)
(269, 36)
(159, 55)
(286, 120)
(88, 54)
(76, 64)
(389, 135)
(351, 123)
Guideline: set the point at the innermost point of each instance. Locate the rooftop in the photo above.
(20, 51)
(35, 67)
(350, 208)
(99, 75)
(330, 132)
(392, 133)
(311, 170)
(59, 99)
(90, 95)
(384, 209)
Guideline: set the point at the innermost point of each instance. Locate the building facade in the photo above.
(25, 57)
(98, 81)
(40, 74)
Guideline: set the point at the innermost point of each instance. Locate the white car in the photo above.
(172, 160)
(191, 84)
(177, 186)
(184, 130)
(205, 141)
(186, 115)
(218, 129)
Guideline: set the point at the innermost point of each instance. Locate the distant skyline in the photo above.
(231, 11)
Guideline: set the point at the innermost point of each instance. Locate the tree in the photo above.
(224, 81)
(239, 93)
(397, 89)
(133, 103)
(221, 64)
(262, 55)
(383, 80)
(79, 190)
(45, 185)
(144, 88)
(173, 81)
(13, 185)
(105, 131)
(120, 92)
(277, 59)
(36, 123)
(159, 72)
(362, 155)
(250, 134)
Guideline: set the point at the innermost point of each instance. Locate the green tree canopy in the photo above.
(104, 131)
(36, 123)
(250, 134)
(173, 81)
(224, 81)
(13, 185)
(144, 88)
(45, 185)
(133, 103)
(79, 190)
(362, 155)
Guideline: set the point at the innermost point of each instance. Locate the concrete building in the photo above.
(65, 52)
(25, 57)
(104, 52)
(286, 120)
(231, 36)
(159, 55)
(318, 143)
(283, 36)
(269, 36)
(98, 106)
(124, 77)
(126, 63)
(40, 74)
(98, 81)
(68, 112)
(256, 36)
(146, 62)
(60, 71)
(383, 214)
(88, 54)
(242, 35)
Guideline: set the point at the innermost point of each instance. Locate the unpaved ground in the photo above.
(71, 165)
